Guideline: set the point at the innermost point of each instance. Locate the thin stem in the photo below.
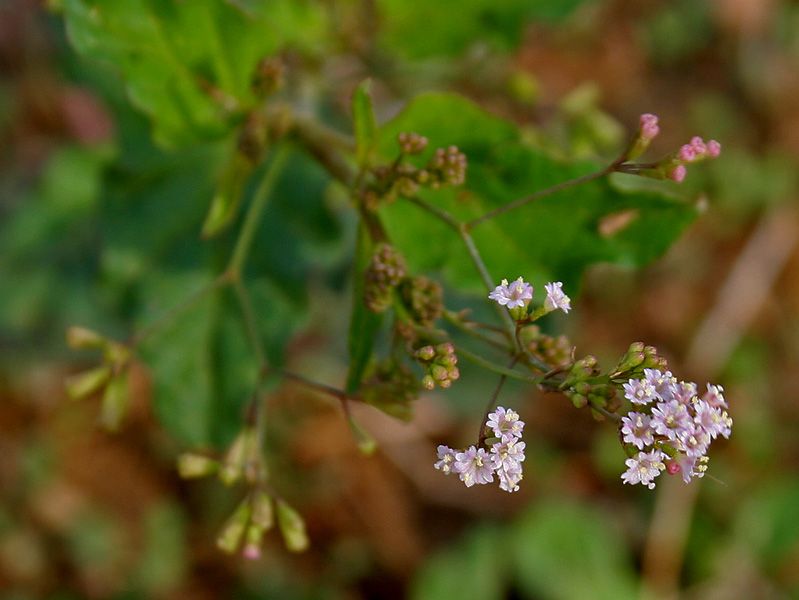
(465, 327)
(255, 212)
(492, 401)
(437, 212)
(320, 387)
(250, 322)
(171, 313)
(491, 366)
(538, 195)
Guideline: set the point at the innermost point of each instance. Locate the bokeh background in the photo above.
(98, 227)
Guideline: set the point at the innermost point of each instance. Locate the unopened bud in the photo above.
(428, 382)
(81, 338)
(192, 466)
(233, 466)
(262, 512)
(425, 353)
(292, 527)
(86, 383)
(115, 401)
(230, 537)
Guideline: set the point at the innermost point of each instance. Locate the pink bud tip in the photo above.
(713, 148)
(678, 173)
(251, 552)
(649, 126)
(698, 145)
(672, 468)
(687, 153)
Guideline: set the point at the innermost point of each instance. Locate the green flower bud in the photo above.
(115, 401)
(80, 338)
(192, 466)
(263, 513)
(86, 383)
(230, 537)
(292, 527)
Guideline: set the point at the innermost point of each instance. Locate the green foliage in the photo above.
(426, 30)
(553, 551)
(564, 550)
(503, 168)
(188, 65)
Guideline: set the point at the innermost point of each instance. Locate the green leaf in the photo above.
(563, 551)
(556, 237)
(188, 65)
(364, 323)
(363, 117)
(471, 570)
(439, 29)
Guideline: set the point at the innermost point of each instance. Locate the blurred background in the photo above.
(99, 226)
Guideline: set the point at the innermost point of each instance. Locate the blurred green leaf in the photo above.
(473, 569)
(365, 124)
(228, 195)
(364, 323)
(563, 550)
(162, 564)
(424, 30)
(556, 237)
(188, 65)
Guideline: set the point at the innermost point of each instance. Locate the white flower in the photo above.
(516, 294)
(644, 468)
(446, 459)
(556, 298)
(474, 466)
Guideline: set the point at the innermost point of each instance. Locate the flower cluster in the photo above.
(694, 151)
(504, 458)
(672, 426)
(385, 272)
(439, 363)
(424, 299)
(518, 294)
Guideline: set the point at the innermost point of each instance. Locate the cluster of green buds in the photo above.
(111, 377)
(391, 387)
(385, 272)
(555, 351)
(447, 166)
(424, 299)
(440, 365)
(268, 77)
(637, 358)
(253, 517)
(584, 386)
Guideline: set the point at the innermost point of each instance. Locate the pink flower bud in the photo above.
(713, 148)
(687, 153)
(698, 145)
(678, 173)
(672, 467)
(251, 552)
(649, 126)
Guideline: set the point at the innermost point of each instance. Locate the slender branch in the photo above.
(491, 402)
(440, 213)
(171, 313)
(255, 211)
(315, 385)
(491, 366)
(539, 194)
(250, 322)
(461, 325)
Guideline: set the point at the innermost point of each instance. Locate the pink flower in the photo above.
(678, 173)
(649, 126)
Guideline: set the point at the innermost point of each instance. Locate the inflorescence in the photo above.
(671, 427)
(504, 457)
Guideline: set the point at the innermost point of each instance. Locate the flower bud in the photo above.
(385, 272)
(424, 299)
(411, 143)
(85, 384)
(115, 401)
(262, 512)
(428, 382)
(80, 338)
(252, 542)
(425, 353)
(233, 530)
(192, 466)
(292, 527)
(233, 466)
